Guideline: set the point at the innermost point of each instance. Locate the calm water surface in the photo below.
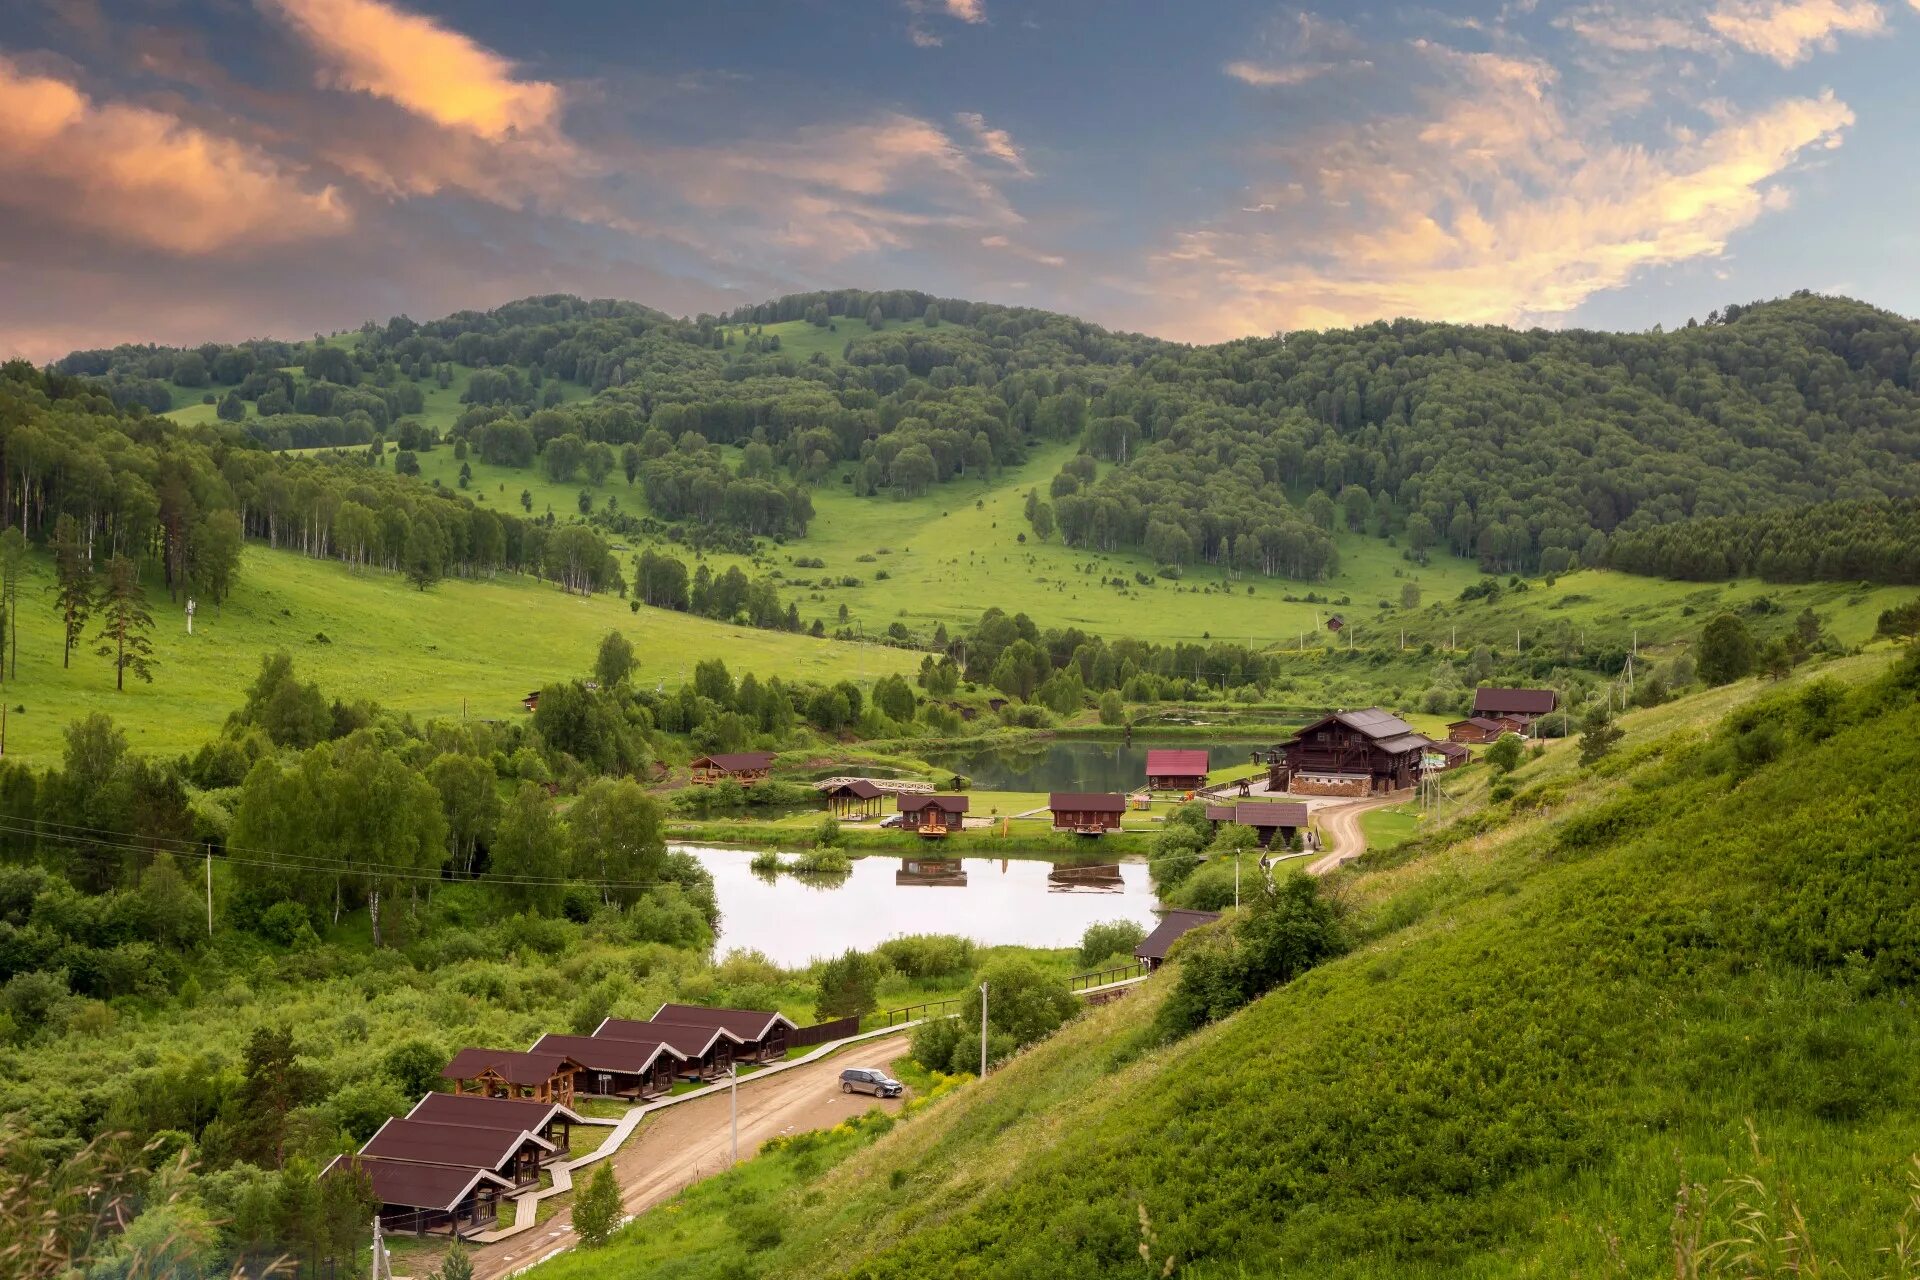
(1016, 901)
(1069, 765)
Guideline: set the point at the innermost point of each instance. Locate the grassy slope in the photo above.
(481, 645)
(1544, 1031)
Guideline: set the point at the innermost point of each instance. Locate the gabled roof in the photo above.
(471, 1109)
(1403, 742)
(689, 1041)
(1176, 762)
(420, 1186)
(432, 1142)
(1265, 813)
(1524, 702)
(1172, 925)
(512, 1067)
(627, 1057)
(946, 804)
(1486, 723)
(1371, 722)
(754, 1024)
(737, 761)
(859, 788)
(1221, 812)
(1087, 802)
(1452, 750)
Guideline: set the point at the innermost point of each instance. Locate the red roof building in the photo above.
(1176, 769)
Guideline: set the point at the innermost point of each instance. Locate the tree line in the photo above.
(1861, 540)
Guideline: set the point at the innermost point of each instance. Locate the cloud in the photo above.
(1786, 31)
(1789, 31)
(1494, 204)
(142, 176)
(414, 62)
(1282, 75)
(972, 12)
(1006, 245)
(965, 10)
(998, 143)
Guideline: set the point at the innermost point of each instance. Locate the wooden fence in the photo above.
(821, 1032)
(908, 1013)
(1106, 977)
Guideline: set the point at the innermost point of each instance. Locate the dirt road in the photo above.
(683, 1144)
(1340, 828)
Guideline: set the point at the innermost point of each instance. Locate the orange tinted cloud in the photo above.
(1790, 30)
(418, 64)
(1499, 207)
(147, 177)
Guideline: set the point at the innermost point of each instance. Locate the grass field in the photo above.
(802, 340)
(475, 646)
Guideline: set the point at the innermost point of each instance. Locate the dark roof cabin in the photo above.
(1523, 705)
(744, 767)
(503, 1073)
(514, 1157)
(549, 1120)
(1176, 769)
(1482, 729)
(932, 815)
(1453, 753)
(1173, 925)
(1349, 753)
(854, 798)
(1087, 813)
(617, 1068)
(1335, 622)
(420, 1198)
(705, 1051)
(762, 1032)
(1270, 821)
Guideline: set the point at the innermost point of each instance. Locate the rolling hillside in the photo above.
(1561, 1018)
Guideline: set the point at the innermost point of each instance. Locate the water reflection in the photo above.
(992, 901)
(1080, 765)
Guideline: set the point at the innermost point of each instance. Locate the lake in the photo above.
(1066, 764)
(1027, 902)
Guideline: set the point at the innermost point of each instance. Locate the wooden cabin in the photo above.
(1336, 623)
(762, 1032)
(1174, 924)
(549, 1121)
(1523, 706)
(532, 701)
(503, 1073)
(1272, 822)
(932, 816)
(636, 1069)
(1453, 753)
(1349, 753)
(743, 767)
(854, 799)
(705, 1052)
(420, 1199)
(515, 1157)
(1478, 730)
(1087, 813)
(1176, 769)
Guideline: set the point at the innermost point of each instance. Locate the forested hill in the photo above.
(1528, 450)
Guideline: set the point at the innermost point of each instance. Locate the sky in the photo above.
(181, 171)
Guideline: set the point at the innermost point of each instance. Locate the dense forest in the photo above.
(1528, 450)
(1867, 540)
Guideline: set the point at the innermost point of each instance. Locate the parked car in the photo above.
(870, 1080)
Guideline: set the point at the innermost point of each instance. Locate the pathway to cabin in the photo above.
(677, 1146)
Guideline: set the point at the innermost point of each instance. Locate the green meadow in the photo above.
(464, 647)
(803, 341)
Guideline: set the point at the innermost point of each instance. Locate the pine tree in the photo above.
(125, 623)
(13, 572)
(72, 583)
(598, 1211)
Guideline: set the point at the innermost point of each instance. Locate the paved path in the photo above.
(690, 1140)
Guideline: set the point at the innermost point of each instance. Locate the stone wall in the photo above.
(1308, 785)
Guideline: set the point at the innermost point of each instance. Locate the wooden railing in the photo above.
(909, 1013)
(821, 1032)
(1107, 977)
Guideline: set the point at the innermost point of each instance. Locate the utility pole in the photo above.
(382, 1264)
(1236, 879)
(983, 1031)
(733, 1103)
(209, 892)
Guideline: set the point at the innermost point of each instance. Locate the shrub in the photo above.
(846, 985)
(1109, 938)
(1285, 931)
(597, 1212)
(925, 956)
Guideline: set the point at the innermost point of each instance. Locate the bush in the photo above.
(1107, 939)
(846, 986)
(597, 1213)
(1285, 931)
(927, 956)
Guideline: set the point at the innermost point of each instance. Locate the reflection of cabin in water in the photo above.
(932, 816)
(942, 872)
(855, 799)
(1101, 877)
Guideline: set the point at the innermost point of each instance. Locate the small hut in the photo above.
(1087, 813)
(503, 1073)
(933, 816)
(854, 800)
(743, 767)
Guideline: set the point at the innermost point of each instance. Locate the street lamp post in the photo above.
(733, 1104)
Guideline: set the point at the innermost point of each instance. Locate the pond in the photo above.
(1027, 902)
(1067, 764)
